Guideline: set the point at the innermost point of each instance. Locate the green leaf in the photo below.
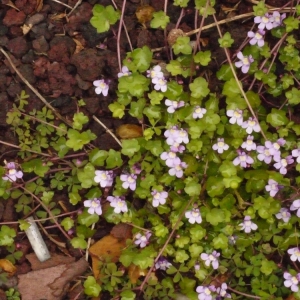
(37, 166)
(277, 117)
(79, 119)
(117, 109)
(226, 41)
(182, 45)
(91, 287)
(97, 157)
(160, 19)
(129, 147)
(181, 3)
(103, 17)
(216, 216)
(293, 96)
(114, 159)
(77, 140)
(24, 225)
(138, 60)
(135, 84)
(86, 175)
(155, 97)
(199, 88)
(136, 108)
(203, 57)
(192, 186)
(127, 295)
(67, 223)
(87, 219)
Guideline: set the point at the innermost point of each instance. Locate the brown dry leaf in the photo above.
(291, 297)
(108, 248)
(134, 272)
(129, 131)
(204, 41)
(39, 5)
(26, 28)
(11, 5)
(57, 17)
(217, 281)
(122, 231)
(7, 266)
(79, 46)
(144, 14)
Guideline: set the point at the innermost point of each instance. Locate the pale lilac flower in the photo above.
(265, 21)
(173, 105)
(142, 240)
(251, 125)
(294, 254)
(257, 38)
(236, 116)
(105, 178)
(136, 168)
(249, 144)
(277, 19)
(244, 62)
(205, 292)
(159, 198)
(162, 264)
(171, 158)
(101, 87)
(296, 153)
(291, 281)
(244, 160)
(248, 225)
(160, 84)
(274, 148)
(211, 259)
(197, 267)
(282, 163)
(177, 148)
(220, 146)
(11, 172)
(272, 187)
(129, 181)
(155, 72)
(199, 112)
(124, 72)
(176, 136)
(194, 216)
(283, 214)
(264, 154)
(94, 206)
(222, 291)
(296, 206)
(232, 239)
(118, 203)
(178, 170)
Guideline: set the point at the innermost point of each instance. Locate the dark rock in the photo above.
(84, 85)
(14, 89)
(40, 45)
(61, 48)
(15, 31)
(6, 106)
(92, 104)
(40, 30)
(14, 17)
(3, 30)
(28, 6)
(29, 57)
(89, 64)
(18, 46)
(3, 40)
(35, 19)
(91, 36)
(27, 72)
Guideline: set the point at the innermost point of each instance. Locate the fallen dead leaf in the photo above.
(26, 28)
(7, 266)
(129, 131)
(50, 283)
(144, 14)
(134, 273)
(57, 17)
(122, 231)
(10, 3)
(79, 46)
(39, 5)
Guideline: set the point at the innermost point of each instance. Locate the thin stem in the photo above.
(244, 294)
(89, 244)
(108, 130)
(237, 80)
(180, 18)
(119, 34)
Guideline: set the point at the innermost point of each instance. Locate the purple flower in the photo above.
(272, 187)
(124, 72)
(277, 18)
(129, 181)
(176, 147)
(244, 62)
(283, 214)
(199, 112)
(211, 259)
(265, 21)
(232, 239)
(11, 173)
(220, 146)
(296, 153)
(105, 178)
(155, 72)
(222, 291)
(94, 206)
(101, 87)
(173, 105)
(178, 170)
(264, 154)
(236, 116)
(248, 225)
(296, 206)
(159, 198)
(118, 203)
(281, 163)
(294, 254)
(194, 216)
(274, 148)
(249, 144)
(136, 168)
(175, 135)
(171, 159)
(257, 38)
(251, 125)
(162, 264)
(291, 281)
(243, 160)
(142, 240)
(160, 84)
(205, 292)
